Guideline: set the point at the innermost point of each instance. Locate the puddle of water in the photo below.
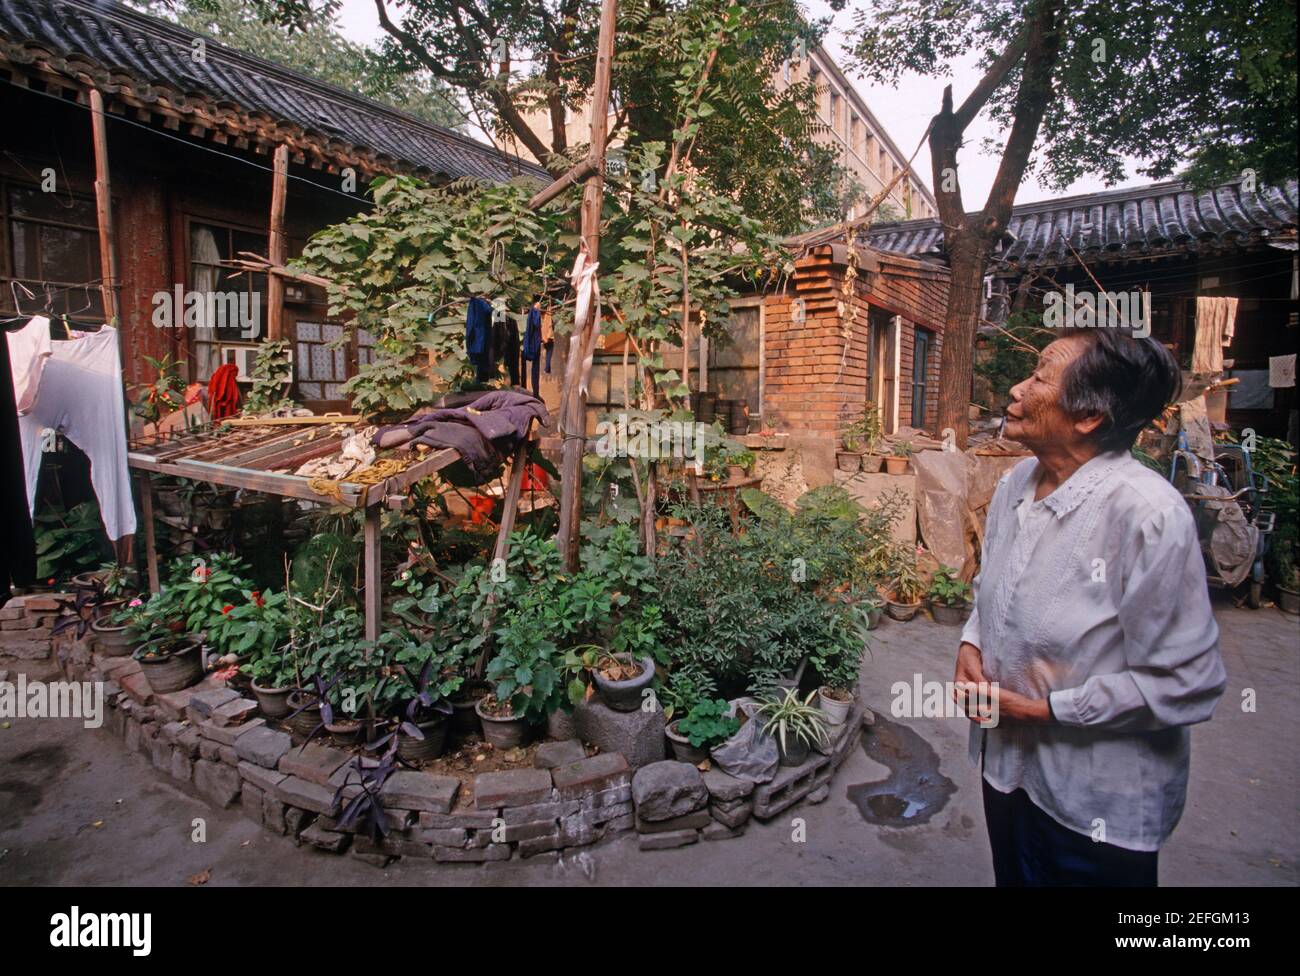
(914, 791)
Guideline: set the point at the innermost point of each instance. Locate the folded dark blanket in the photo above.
(485, 432)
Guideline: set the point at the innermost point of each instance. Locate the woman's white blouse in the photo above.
(1096, 597)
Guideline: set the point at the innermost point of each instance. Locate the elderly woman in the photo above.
(1093, 621)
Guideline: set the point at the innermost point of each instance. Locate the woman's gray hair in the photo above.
(1126, 380)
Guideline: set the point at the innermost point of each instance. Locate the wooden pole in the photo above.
(573, 422)
(513, 490)
(374, 593)
(104, 211)
(275, 251)
(145, 485)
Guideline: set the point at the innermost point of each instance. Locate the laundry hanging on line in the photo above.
(74, 387)
(18, 555)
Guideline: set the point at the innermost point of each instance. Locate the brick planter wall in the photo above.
(27, 623)
(212, 743)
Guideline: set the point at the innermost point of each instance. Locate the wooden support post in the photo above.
(104, 212)
(573, 422)
(145, 485)
(513, 489)
(275, 245)
(374, 593)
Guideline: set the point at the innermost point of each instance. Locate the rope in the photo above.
(374, 474)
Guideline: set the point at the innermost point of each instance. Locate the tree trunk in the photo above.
(970, 239)
(967, 257)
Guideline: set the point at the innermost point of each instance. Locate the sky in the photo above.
(904, 112)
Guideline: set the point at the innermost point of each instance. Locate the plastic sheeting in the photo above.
(749, 754)
(953, 490)
(1233, 540)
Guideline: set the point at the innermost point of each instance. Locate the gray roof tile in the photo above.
(119, 39)
(1154, 219)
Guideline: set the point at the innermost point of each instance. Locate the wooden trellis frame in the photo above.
(245, 457)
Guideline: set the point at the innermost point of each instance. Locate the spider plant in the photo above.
(787, 714)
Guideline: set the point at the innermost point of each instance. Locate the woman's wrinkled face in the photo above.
(1034, 416)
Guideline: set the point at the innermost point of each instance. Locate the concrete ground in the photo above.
(75, 808)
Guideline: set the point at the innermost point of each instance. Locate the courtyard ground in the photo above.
(77, 809)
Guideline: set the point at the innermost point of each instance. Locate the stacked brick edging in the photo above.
(210, 740)
(677, 805)
(27, 624)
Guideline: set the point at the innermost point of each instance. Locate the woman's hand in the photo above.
(992, 703)
(1018, 708)
(970, 672)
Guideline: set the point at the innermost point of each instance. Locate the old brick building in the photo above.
(191, 134)
(1237, 240)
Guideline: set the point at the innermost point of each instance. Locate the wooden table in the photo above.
(247, 457)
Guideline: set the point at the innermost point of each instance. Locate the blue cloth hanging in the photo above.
(478, 329)
(533, 335)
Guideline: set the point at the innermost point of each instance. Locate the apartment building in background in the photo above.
(863, 146)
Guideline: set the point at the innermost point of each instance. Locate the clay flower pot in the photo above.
(625, 695)
(836, 709)
(902, 611)
(950, 615)
(896, 465)
(682, 748)
(431, 746)
(273, 702)
(170, 663)
(502, 731)
(306, 711)
(109, 640)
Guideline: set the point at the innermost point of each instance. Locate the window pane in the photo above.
(68, 255)
(24, 202)
(26, 251)
(743, 348)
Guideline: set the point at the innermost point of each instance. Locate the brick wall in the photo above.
(816, 377)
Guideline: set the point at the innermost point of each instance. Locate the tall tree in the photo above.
(306, 37)
(1077, 87)
(511, 60)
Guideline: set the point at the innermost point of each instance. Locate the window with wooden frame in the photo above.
(210, 243)
(920, 376)
(735, 368)
(50, 260)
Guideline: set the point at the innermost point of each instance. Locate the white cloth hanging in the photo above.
(74, 387)
(1281, 371)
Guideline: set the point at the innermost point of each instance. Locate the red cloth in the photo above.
(535, 478)
(223, 392)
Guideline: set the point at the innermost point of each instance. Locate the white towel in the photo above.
(1281, 371)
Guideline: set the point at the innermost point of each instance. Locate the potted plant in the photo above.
(796, 724)
(112, 628)
(905, 585)
(706, 725)
(849, 457)
(527, 680)
(871, 431)
(419, 684)
(740, 462)
(171, 663)
(836, 703)
(949, 597)
(621, 678)
(897, 461)
(306, 709)
(503, 727)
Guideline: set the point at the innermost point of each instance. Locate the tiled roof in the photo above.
(106, 39)
(1161, 218)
